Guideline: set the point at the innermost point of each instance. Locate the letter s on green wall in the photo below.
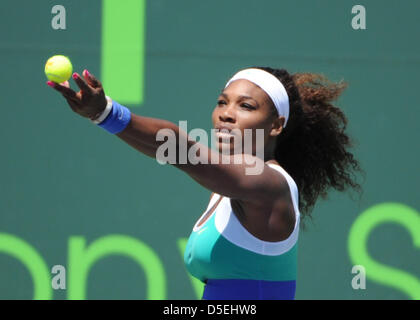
(397, 213)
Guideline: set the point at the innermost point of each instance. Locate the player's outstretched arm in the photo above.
(225, 177)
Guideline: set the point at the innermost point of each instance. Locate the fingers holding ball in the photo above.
(59, 69)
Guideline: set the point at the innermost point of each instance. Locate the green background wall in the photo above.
(64, 180)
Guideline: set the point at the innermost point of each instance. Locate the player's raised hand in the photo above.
(90, 101)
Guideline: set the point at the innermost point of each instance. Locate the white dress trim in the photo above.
(228, 225)
(212, 201)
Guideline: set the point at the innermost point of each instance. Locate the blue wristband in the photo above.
(117, 120)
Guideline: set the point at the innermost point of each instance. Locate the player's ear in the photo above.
(277, 126)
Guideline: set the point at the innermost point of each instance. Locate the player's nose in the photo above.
(228, 114)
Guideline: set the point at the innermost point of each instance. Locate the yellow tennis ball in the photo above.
(58, 69)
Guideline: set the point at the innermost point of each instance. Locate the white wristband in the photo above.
(105, 113)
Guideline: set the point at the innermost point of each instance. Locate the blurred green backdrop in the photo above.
(71, 194)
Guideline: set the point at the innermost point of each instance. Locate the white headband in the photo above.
(270, 84)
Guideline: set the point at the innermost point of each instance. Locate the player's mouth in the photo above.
(224, 131)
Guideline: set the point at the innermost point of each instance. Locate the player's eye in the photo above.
(248, 106)
(221, 102)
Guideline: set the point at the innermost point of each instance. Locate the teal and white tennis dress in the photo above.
(234, 264)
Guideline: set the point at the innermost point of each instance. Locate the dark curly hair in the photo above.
(317, 145)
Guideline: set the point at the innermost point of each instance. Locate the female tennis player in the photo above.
(244, 246)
